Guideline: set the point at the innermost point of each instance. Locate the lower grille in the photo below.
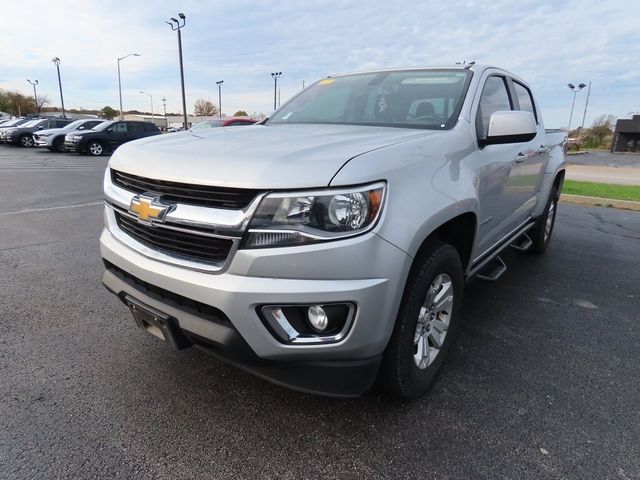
(191, 246)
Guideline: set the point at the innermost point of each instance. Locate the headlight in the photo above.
(44, 134)
(286, 219)
(77, 137)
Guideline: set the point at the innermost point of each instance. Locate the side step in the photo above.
(522, 243)
(493, 270)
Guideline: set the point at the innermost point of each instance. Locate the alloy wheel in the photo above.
(433, 321)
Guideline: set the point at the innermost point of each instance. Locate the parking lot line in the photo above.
(59, 207)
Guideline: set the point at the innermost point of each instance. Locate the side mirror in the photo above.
(40, 127)
(109, 130)
(510, 126)
(80, 128)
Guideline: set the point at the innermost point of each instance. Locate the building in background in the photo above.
(626, 136)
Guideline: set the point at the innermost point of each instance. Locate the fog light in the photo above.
(318, 318)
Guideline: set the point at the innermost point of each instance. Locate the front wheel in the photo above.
(427, 323)
(541, 233)
(26, 141)
(95, 148)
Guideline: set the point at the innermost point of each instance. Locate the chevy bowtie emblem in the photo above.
(149, 209)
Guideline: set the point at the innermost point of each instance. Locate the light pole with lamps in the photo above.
(35, 95)
(220, 97)
(176, 26)
(151, 97)
(575, 90)
(119, 82)
(56, 61)
(275, 76)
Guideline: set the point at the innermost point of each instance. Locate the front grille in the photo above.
(202, 195)
(191, 246)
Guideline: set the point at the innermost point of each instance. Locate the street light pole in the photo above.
(586, 104)
(151, 97)
(176, 26)
(119, 82)
(35, 94)
(575, 90)
(275, 76)
(220, 97)
(56, 60)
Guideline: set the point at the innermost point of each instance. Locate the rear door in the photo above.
(529, 169)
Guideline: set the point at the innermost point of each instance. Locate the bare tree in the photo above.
(204, 108)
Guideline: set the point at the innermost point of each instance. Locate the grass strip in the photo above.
(602, 190)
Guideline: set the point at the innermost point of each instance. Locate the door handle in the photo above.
(521, 157)
(543, 149)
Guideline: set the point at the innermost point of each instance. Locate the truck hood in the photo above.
(259, 156)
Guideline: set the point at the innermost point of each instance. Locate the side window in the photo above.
(135, 127)
(89, 125)
(120, 127)
(494, 98)
(524, 99)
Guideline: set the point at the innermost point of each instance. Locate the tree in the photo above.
(204, 108)
(108, 112)
(241, 113)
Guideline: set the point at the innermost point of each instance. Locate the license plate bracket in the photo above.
(157, 323)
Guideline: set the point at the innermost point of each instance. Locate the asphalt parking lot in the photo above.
(544, 381)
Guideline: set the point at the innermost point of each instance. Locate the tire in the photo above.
(540, 234)
(26, 141)
(412, 359)
(95, 148)
(57, 145)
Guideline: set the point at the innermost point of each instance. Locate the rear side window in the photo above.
(120, 127)
(150, 127)
(135, 127)
(524, 99)
(494, 97)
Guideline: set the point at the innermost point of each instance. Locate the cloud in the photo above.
(547, 43)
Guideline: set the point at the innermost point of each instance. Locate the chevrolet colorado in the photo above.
(327, 248)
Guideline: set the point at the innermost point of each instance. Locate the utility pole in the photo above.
(278, 97)
(220, 97)
(35, 94)
(275, 76)
(586, 104)
(176, 26)
(56, 60)
(164, 105)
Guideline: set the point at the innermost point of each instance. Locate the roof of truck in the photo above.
(458, 66)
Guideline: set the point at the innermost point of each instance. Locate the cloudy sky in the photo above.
(549, 43)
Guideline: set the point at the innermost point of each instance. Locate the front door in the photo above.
(499, 195)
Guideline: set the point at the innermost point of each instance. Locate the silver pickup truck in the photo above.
(328, 247)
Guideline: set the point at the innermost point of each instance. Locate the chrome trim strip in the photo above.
(166, 226)
(286, 332)
(224, 222)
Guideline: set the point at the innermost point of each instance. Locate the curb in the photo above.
(600, 202)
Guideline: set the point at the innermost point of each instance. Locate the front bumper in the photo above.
(365, 270)
(42, 141)
(72, 145)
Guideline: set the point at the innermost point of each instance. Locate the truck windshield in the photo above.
(429, 99)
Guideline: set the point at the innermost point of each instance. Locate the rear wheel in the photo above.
(427, 323)
(540, 234)
(95, 148)
(26, 141)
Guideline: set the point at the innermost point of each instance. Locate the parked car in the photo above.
(22, 135)
(330, 245)
(53, 138)
(223, 122)
(11, 124)
(108, 136)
